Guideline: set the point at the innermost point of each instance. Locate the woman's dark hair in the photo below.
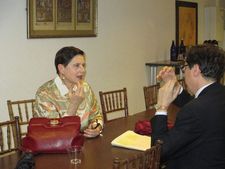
(64, 56)
(210, 58)
(206, 42)
(211, 42)
(214, 42)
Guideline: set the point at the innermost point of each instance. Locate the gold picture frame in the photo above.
(61, 18)
(186, 23)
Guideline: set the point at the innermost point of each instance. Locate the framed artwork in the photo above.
(61, 18)
(186, 23)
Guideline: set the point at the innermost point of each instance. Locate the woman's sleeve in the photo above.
(95, 113)
(44, 107)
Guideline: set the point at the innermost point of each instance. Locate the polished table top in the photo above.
(98, 153)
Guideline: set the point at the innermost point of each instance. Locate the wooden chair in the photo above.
(24, 109)
(150, 94)
(10, 136)
(150, 159)
(114, 102)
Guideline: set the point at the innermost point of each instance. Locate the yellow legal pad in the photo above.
(132, 140)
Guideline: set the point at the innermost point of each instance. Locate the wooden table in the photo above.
(98, 153)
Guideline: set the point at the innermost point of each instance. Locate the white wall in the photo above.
(130, 33)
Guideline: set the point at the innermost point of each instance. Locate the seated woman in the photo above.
(69, 94)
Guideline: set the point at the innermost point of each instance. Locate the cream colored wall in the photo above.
(130, 33)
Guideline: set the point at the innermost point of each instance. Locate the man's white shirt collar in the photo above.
(202, 88)
(61, 86)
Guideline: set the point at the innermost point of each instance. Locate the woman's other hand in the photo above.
(93, 130)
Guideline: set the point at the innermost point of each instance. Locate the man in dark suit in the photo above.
(197, 140)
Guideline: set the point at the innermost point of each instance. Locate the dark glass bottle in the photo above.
(182, 50)
(173, 52)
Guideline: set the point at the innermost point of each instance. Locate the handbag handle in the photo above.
(59, 114)
(55, 122)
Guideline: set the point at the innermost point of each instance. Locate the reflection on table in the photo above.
(98, 153)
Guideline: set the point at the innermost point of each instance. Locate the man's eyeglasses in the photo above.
(182, 67)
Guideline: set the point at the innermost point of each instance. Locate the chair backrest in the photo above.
(10, 136)
(22, 108)
(150, 95)
(114, 101)
(150, 159)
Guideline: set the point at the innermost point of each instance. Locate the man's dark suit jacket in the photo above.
(197, 140)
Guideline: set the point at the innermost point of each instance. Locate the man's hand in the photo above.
(168, 92)
(167, 73)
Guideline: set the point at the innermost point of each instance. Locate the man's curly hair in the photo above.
(210, 58)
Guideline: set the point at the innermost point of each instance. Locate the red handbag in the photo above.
(46, 135)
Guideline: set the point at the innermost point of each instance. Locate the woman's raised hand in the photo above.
(76, 95)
